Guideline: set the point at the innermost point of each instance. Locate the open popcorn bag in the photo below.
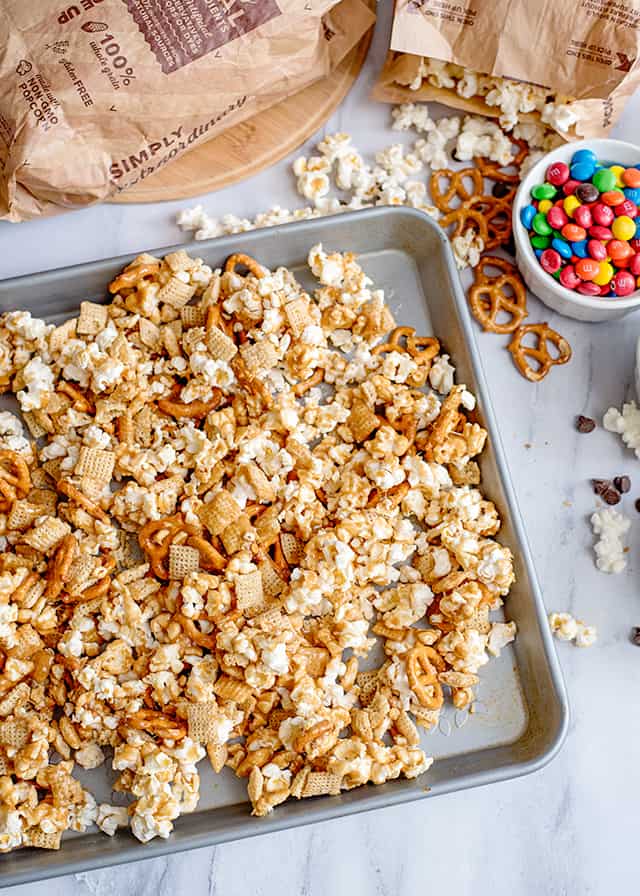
(98, 94)
(526, 62)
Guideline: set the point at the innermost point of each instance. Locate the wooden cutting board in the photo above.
(254, 144)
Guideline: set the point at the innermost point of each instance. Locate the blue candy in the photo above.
(538, 252)
(632, 193)
(637, 223)
(580, 248)
(584, 155)
(527, 215)
(582, 170)
(562, 247)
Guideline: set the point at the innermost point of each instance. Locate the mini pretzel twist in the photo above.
(193, 410)
(307, 737)
(455, 186)
(67, 488)
(494, 171)
(462, 218)
(422, 349)
(157, 723)
(15, 472)
(314, 380)
(193, 632)
(59, 566)
(158, 551)
(497, 215)
(210, 557)
(488, 299)
(80, 401)
(239, 258)
(133, 275)
(539, 352)
(423, 665)
(493, 261)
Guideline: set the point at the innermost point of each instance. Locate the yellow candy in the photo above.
(617, 170)
(544, 205)
(570, 204)
(604, 274)
(623, 228)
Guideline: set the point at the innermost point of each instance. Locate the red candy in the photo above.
(587, 268)
(550, 261)
(635, 245)
(557, 174)
(602, 214)
(569, 278)
(612, 197)
(557, 217)
(570, 187)
(582, 216)
(634, 265)
(623, 283)
(600, 233)
(573, 233)
(589, 289)
(626, 208)
(597, 250)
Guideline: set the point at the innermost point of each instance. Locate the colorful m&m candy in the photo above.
(583, 223)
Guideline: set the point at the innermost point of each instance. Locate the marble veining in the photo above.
(571, 828)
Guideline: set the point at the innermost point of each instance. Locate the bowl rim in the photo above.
(524, 246)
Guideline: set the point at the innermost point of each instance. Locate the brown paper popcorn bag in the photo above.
(584, 52)
(98, 94)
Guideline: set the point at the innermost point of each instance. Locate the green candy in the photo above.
(604, 180)
(541, 225)
(544, 191)
(556, 274)
(540, 242)
(559, 236)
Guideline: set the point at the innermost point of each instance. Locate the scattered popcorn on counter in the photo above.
(626, 424)
(566, 628)
(610, 525)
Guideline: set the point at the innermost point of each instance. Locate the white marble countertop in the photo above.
(571, 828)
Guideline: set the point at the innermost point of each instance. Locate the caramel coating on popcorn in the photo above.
(236, 482)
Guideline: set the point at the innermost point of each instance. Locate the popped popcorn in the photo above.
(626, 423)
(233, 495)
(566, 628)
(610, 525)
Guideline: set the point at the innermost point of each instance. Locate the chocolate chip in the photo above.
(604, 488)
(622, 483)
(500, 190)
(637, 505)
(635, 635)
(585, 424)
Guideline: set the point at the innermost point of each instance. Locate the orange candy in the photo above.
(587, 268)
(573, 233)
(631, 177)
(612, 197)
(619, 250)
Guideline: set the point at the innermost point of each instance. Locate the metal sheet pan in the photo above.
(523, 715)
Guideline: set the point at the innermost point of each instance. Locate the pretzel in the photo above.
(158, 552)
(80, 402)
(24, 587)
(75, 495)
(423, 665)
(311, 734)
(399, 333)
(190, 409)
(539, 352)
(192, 631)
(253, 266)
(132, 276)
(493, 261)
(157, 723)
(210, 557)
(422, 348)
(464, 217)
(493, 171)
(488, 299)
(280, 561)
(314, 380)
(59, 565)
(17, 475)
(497, 215)
(8, 496)
(456, 186)
(93, 592)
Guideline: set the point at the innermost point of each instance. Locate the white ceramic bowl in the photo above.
(566, 301)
